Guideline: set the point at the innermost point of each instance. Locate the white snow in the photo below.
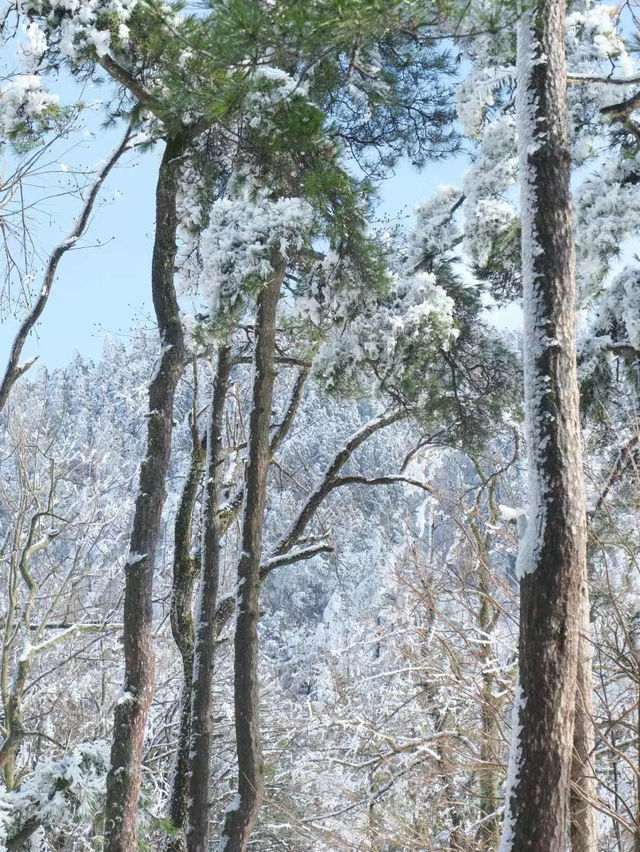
(506, 838)
(535, 337)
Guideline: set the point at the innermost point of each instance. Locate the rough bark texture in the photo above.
(124, 778)
(205, 640)
(239, 822)
(185, 572)
(636, 838)
(584, 836)
(554, 551)
(489, 775)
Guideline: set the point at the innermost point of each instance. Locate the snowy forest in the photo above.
(339, 548)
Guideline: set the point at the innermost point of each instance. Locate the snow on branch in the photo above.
(68, 632)
(297, 555)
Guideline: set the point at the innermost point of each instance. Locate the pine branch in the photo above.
(126, 79)
(573, 79)
(623, 109)
(624, 348)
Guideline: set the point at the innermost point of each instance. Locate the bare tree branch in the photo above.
(294, 556)
(627, 456)
(331, 476)
(573, 79)
(623, 109)
(382, 480)
(14, 369)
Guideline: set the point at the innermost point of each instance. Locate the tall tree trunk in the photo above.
(185, 572)
(584, 837)
(240, 820)
(488, 834)
(217, 527)
(635, 651)
(203, 659)
(553, 552)
(124, 778)
(637, 825)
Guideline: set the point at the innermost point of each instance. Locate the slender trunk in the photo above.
(240, 820)
(185, 572)
(14, 724)
(223, 612)
(13, 700)
(124, 778)
(635, 650)
(637, 826)
(447, 775)
(584, 837)
(203, 658)
(445, 769)
(610, 726)
(553, 552)
(489, 779)
(489, 831)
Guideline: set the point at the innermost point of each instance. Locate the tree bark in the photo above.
(205, 641)
(124, 778)
(553, 553)
(241, 819)
(584, 836)
(488, 834)
(186, 569)
(636, 838)
(185, 573)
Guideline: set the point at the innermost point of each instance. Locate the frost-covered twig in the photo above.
(70, 631)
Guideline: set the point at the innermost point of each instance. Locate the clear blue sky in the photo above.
(99, 289)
